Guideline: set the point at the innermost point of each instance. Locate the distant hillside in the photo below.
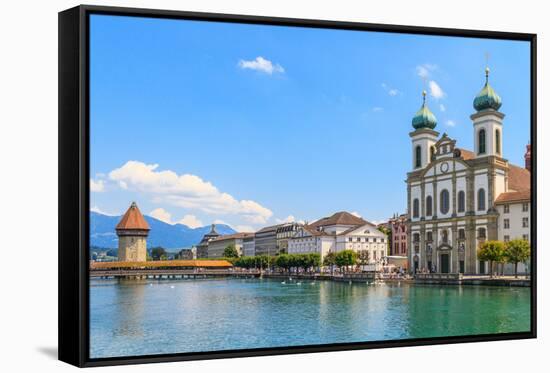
(102, 232)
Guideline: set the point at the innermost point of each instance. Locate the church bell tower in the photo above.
(424, 136)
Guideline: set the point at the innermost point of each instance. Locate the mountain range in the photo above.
(102, 232)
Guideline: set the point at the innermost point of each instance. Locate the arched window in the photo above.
(444, 201)
(481, 199)
(417, 156)
(497, 141)
(429, 206)
(461, 201)
(416, 208)
(481, 141)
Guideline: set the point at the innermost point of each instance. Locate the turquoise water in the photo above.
(143, 317)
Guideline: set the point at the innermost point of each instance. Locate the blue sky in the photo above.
(202, 122)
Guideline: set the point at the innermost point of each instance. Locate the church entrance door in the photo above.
(445, 263)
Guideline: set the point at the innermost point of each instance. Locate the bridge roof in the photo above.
(163, 264)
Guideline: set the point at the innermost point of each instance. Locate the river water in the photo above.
(143, 317)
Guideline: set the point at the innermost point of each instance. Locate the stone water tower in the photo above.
(132, 232)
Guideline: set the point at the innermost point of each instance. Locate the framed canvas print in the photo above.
(235, 186)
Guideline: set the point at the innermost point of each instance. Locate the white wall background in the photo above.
(28, 183)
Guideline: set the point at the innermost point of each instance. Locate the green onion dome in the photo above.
(424, 118)
(487, 98)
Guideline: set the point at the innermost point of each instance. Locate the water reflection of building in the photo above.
(132, 232)
(202, 247)
(454, 195)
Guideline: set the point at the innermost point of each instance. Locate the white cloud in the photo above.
(391, 91)
(219, 221)
(187, 191)
(355, 213)
(162, 215)
(191, 221)
(100, 211)
(442, 107)
(97, 186)
(450, 123)
(244, 228)
(435, 90)
(424, 71)
(262, 65)
(288, 219)
(377, 109)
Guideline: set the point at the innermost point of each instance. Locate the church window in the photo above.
(416, 208)
(461, 201)
(429, 237)
(481, 233)
(417, 156)
(444, 201)
(461, 234)
(497, 141)
(429, 206)
(481, 141)
(481, 199)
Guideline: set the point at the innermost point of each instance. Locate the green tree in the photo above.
(346, 258)
(283, 261)
(493, 252)
(231, 251)
(330, 261)
(517, 251)
(158, 253)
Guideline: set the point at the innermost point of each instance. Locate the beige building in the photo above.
(132, 232)
(202, 247)
(454, 195)
(217, 245)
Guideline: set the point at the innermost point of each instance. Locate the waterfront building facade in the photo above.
(284, 233)
(398, 227)
(202, 247)
(132, 232)
(453, 194)
(249, 247)
(217, 246)
(265, 240)
(338, 232)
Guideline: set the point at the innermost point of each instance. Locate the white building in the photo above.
(341, 231)
(249, 245)
(456, 198)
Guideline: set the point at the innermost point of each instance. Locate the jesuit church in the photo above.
(459, 198)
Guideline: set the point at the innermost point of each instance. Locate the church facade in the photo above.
(457, 198)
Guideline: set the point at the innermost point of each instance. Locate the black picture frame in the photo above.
(74, 183)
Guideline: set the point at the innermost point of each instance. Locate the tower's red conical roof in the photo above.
(133, 219)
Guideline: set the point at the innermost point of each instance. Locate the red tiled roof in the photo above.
(133, 219)
(524, 195)
(519, 178)
(339, 218)
(466, 154)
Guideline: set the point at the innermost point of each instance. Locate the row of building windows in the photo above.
(524, 223)
(524, 208)
(481, 233)
(366, 239)
(445, 203)
(507, 237)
